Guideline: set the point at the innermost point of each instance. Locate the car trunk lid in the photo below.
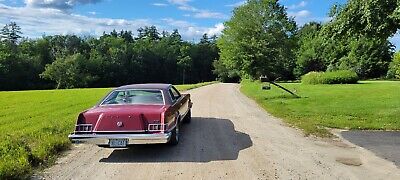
(125, 118)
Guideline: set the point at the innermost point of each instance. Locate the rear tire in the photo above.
(175, 136)
(188, 117)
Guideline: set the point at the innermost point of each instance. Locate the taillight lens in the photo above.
(157, 127)
(83, 128)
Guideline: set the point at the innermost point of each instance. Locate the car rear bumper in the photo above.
(103, 139)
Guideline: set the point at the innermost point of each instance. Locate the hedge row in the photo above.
(334, 77)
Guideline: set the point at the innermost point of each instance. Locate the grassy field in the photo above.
(371, 105)
(34, 125)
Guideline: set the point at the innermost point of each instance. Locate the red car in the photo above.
(135, 114)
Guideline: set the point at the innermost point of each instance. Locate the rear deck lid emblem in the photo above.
(120, 124)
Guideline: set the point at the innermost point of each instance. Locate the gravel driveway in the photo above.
(230, 137)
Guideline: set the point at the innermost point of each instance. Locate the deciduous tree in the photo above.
(257, 40)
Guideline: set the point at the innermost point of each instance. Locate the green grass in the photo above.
(372, 105)
(34, 125)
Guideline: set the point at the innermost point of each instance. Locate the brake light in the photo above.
(83, 128)
(156, 127)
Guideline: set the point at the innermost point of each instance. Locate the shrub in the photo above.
(334, 77)
(394, 68)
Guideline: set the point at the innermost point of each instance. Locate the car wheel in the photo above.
(175, 136)
(188, 117)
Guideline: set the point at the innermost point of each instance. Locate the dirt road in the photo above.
(230, 137)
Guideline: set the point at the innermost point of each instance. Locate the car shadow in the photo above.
(203, 140)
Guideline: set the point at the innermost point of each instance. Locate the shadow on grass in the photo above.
(203, 140)
(283, 97)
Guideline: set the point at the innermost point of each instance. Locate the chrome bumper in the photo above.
(103, 139)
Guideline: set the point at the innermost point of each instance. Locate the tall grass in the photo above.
(34, 125)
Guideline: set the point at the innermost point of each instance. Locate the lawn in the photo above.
(372, 105)
(34, 125)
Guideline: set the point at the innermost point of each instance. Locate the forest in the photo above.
(260, 39)
(113, 59)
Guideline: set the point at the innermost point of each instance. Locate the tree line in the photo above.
(260, 39)
(113, 59)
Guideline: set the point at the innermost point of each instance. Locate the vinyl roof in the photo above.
(146, 86)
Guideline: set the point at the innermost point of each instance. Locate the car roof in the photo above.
(145, 86)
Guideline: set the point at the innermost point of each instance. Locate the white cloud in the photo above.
(179, 2)
(304, 16)
(217, 30)
(197, 13)
(177, 23)
(188, 8)
(190, 31)
(208, 14)
(58, 4)
(35, 22)
(160, 4)
(236, 4)
(299, 5)
(183, 5)
(92, 13)
(300, 14)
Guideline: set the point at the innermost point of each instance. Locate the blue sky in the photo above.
(91, 17)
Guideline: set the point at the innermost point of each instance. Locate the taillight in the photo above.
(83, 128)
(156, 127)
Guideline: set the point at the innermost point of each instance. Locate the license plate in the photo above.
(118, 142)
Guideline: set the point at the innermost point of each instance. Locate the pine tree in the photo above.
(11, 32)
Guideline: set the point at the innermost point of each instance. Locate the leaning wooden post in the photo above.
(265, 79)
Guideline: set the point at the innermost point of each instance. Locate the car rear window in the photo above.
(124, 97)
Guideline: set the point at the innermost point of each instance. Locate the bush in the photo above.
(334, 77)
(394, 68)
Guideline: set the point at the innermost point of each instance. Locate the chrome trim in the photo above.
(138, 131)
(186, 112)
(103, 139)
(101, 103)
(98, 121)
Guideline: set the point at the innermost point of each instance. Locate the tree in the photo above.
(11, 32)
(68, 72)
(309, 54)
(204, 39)
(225, 74)
(356, 37)
(203, 55)
(113, 59)
(371, 18)
(184, 61)
(368, 57)
(394, 68)
(258, 40)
